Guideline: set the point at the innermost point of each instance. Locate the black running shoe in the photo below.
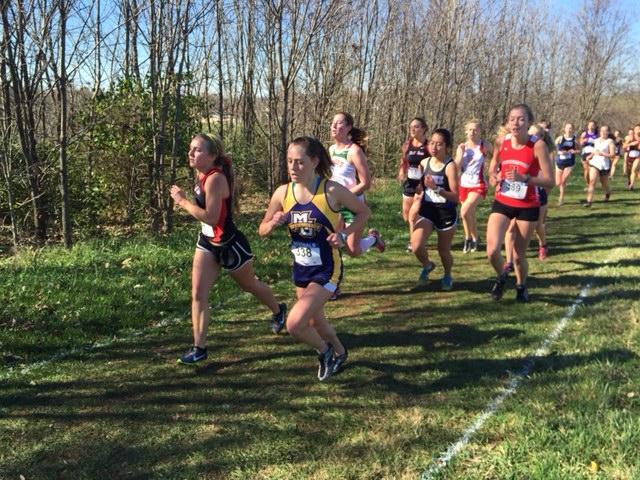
(521, 293)
(193, 356)
(325, 363)
(278, 319)
(498, 287)
(338, 361)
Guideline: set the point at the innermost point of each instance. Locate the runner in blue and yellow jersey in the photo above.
(309, 205)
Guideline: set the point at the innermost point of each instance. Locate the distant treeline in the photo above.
(100, 98)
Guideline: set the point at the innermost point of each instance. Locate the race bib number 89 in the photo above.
(517, 190)
(306, 255)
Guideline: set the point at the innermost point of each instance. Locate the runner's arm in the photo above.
(274, 216)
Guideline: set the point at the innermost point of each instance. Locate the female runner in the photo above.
(414, 151)
(220, 244)
(520, 163)
(470, 160)
(567, 148)
(435, 207)
(600, 164)
(309, 205)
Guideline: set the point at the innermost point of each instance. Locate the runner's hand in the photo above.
(279, 218)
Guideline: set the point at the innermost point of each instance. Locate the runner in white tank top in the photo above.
(350, 169)
(470, 159)
(600, 164)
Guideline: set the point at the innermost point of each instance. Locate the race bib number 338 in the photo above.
(307, 255)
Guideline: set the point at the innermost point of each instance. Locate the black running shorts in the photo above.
(525, 214)
(230, 256)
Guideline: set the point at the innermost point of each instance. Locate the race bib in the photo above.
(468, 179)
(207, 230)
(305, 254)
(600, 162)
(517, 190)
(564, 156)
(433, 197)
(587, 150)
(414, 173)
(634, 153)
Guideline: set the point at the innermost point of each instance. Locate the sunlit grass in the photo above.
(422, 365)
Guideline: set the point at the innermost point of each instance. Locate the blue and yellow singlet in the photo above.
(314, 260)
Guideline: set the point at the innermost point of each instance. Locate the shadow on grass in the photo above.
(462, 373)
(140, 425)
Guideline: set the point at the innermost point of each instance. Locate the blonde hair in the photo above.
(543, 135)
(473, 121)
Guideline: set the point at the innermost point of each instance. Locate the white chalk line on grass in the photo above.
(443, 460)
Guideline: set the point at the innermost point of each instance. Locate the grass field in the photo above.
(89, 387)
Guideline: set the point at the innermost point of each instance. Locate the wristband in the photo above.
(342, 236)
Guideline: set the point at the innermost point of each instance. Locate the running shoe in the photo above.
(498, 288)
(466, 246)
(542, 253)
(325, 363)
(447, 282)
(587, 205)
(278, 319)
(521, 293)
(193, 356)
(336, 295)
(560, 202)
(338, 361)
(423, 280)
(380, 245)
(607, 196)
(473, 245)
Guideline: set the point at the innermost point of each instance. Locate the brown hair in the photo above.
(526, 108)
(213, 146)
(405, 146)
(357, 135)
(313, 148)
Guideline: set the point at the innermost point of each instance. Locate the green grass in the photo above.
(422, 365)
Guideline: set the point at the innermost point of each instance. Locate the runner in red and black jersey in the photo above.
(520, 163)
(220, 244)
(414, 151)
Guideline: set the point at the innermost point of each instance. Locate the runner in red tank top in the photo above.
(520, 163)
(220, 244)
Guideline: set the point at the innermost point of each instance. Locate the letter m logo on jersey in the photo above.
(303, 224)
